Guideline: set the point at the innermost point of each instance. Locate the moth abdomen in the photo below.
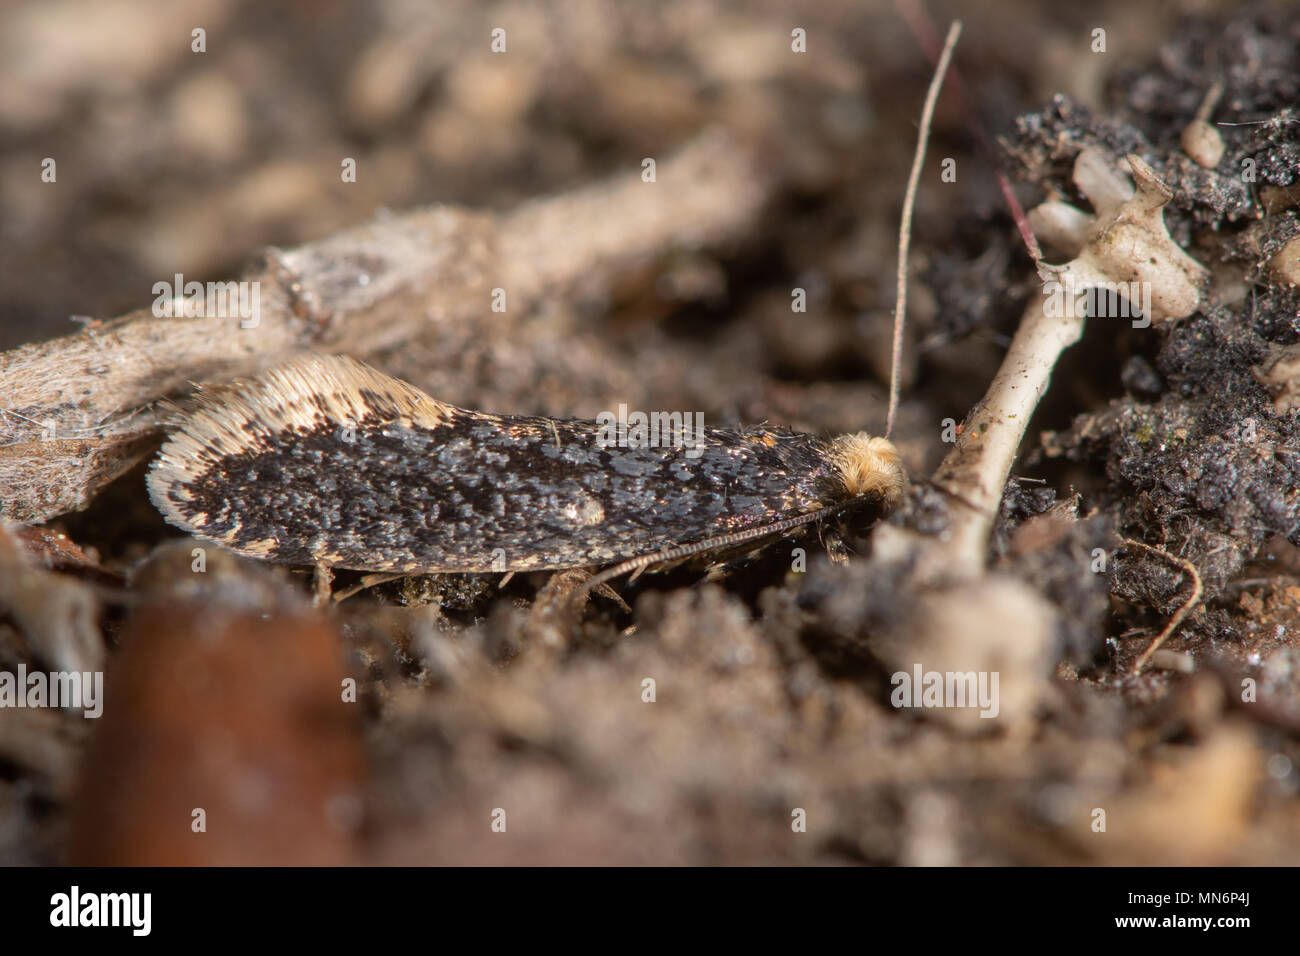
(324, 460)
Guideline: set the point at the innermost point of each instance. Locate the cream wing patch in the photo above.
(299, 394)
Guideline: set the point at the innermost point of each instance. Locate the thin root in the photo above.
(1193, 599)
(905, 227)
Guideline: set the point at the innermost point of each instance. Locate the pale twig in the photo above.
(1209, 102)
(1130, 242)
(905, 227)
(1192, 600)
(978, 465)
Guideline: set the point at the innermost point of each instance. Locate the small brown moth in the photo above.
(326, 461)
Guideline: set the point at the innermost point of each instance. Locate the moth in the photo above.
(328, 462)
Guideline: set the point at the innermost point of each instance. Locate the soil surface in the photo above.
(744, 714)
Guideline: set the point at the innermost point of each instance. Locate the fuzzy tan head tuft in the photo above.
(868, 466)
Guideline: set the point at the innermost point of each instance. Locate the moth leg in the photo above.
(561, 600)
(554, 612)
(837, 548)
(322, 584)
(607, 590)
(369, 581)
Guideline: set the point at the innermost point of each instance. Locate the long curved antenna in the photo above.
(708, 544)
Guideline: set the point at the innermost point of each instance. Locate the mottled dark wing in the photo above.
(326, 460)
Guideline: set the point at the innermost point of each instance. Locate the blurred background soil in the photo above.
(473, 706)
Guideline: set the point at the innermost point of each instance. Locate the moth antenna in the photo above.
(905, 226)
(643, 561)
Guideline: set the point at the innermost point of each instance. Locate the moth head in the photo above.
(869, 466)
